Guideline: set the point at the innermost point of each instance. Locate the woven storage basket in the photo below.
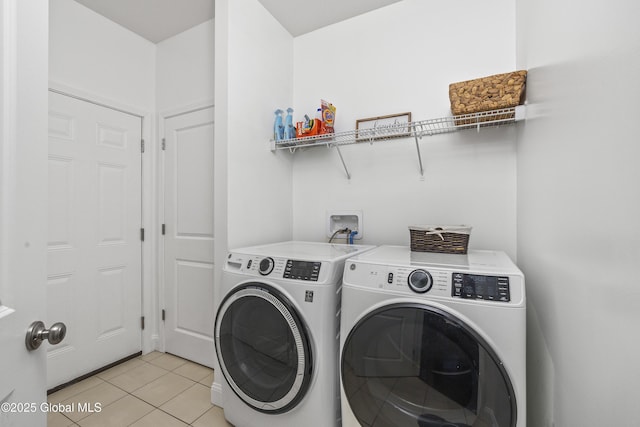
(442, 239)
(487, 93)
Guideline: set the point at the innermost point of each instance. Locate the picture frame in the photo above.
(383, 127)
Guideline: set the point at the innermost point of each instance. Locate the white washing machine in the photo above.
(276, 334)
(433, 340)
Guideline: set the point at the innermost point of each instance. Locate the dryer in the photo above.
(276, 334)
(433, 340)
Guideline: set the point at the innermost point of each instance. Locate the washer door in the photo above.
(263, 348)
(416, 365)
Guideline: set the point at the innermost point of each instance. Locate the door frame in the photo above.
(163, 116)
(149, 309)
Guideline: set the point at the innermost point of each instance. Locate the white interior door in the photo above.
(188, 243)
(23, 195)
(94, 245)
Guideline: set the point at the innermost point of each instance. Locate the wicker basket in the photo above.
(442, 239)
(487, 93)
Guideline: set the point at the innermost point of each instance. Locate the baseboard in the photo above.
(92, 373)
(216, 394)
(152, 344)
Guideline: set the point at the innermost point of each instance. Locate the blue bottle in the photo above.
(278, 127)
(289, 129)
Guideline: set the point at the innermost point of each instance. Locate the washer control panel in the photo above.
(476, 286)
(302, 270)
(285, 268)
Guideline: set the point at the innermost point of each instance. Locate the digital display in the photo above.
(302, 270)
(484, 285)
(476, 286)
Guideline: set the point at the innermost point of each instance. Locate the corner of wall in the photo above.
(221, 41)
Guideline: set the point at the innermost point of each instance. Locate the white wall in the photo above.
(221, 136)
(185, 69)
(578, 209)
(396, 59)
(259, 75)
(94, 55)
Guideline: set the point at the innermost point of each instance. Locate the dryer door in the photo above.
(263, 348)
(416, 365)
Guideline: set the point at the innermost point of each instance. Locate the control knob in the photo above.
(266, 266)
(420, 281)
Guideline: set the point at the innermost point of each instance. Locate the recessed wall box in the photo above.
(339, 220)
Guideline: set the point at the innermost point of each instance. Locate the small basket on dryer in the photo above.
(446, 239)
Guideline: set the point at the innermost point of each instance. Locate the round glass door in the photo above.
(416, 365)
(263, 348)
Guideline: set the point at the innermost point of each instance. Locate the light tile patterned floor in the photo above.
(154, 390)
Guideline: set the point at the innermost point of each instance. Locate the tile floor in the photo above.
(154, 390)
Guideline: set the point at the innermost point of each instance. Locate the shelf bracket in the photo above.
(342, 160)
(419, 155)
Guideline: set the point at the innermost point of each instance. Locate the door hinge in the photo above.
(163, 315)
(142, 322)
(142, 145)
(142, 234)
(164, 229)
(164, 144)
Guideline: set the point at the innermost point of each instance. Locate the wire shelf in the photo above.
(405, 130)
(413, 129)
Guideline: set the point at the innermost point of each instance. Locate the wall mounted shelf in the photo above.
(405, 130)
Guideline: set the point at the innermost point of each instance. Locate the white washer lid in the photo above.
(475, 260)
(305, 251)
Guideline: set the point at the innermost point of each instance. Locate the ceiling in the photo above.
(156, 20)
(303, 16)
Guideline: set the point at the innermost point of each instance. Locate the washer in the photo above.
(433, 340)
(276, 334)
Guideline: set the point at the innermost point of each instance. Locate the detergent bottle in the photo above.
(278, 127)
(289, 129)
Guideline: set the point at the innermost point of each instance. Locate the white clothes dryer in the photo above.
(433, 340)
(276, 334)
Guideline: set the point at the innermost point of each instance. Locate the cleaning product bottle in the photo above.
(318, 121)
(278, 127)
(328, 116)
(289, 129)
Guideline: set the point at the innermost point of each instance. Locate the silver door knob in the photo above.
(38, 333)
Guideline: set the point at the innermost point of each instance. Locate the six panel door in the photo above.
(94, 245)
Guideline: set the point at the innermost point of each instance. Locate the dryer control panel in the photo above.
(479, 277)
(433, 282)
(479, 286)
